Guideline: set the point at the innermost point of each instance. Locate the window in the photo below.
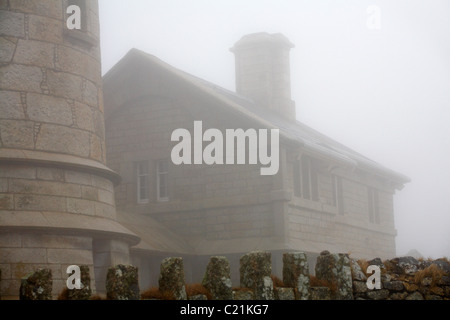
(374, 215)
(162, 180)
(305, 179)
(338, 199)
(142, 182)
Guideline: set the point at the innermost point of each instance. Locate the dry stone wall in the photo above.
(338, 277)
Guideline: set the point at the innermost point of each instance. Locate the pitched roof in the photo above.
(292, 130)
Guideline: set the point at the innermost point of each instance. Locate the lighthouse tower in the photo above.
(56, 193)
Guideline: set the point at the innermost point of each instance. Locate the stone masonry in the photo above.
(56, 194)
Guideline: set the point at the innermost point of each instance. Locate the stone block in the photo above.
(10, 240)
(357, 273)
(96, 148)
(78, 177)
(335, 269)
(89, 193)
(36, 53)
(45, 29)
(296, 273)
(39, 203)
(245, 294)
(50, 8)
(359, 287)
(69, 256)
(89, 93)
(284, 293)
(414, 296)
(198, 297)
(63, 140)
(254, 266)
(320, 293)
(217, 278)
(17, 171)
(11, 105)
(7, 48)
(13, 24)
(122, 283)
(56, 241)
(20, 78)
(81, 206)
(6, 202)
(3, 185)
(37, 286)
(171, 278)
(73, 61)
(381, 294)
(405, 265)
(64, 85)
(44, 188)
(52, 174)
(84, 116)
(44, 108)
(17, 134)
(393, 285)
(105, 210)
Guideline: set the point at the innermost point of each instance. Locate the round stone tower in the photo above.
(56, 194)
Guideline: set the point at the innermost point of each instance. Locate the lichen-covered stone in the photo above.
(172, 279)
(320, 293)
(393, 285)
(264, 289)
(284, 294)
(296, 273)
(399, 296)
(357, 272)
(217, 279)
(414, 296)
(198, 297)
(359, 287)
(254, 266)
(381, 294)
(85, 292)
(335, 269)
(122, 283)
(37, 286)
(243, 295)
(405, 265)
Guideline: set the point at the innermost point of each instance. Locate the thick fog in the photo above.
(374, 75)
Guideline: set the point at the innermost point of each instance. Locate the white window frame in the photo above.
(158, 181)
(374, 208)
(338, 196)
(139, 174)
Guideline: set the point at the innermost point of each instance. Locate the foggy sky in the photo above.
(385, 93)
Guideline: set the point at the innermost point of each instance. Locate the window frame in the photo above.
(305, 179)
(338, 196)
(159, 173)
(374, 207)
(146, 175)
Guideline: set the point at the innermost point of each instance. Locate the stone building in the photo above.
(325, 196)
(56, 193)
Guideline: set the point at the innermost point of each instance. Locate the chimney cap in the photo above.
(262, 38)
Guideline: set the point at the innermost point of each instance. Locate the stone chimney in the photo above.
(263, 71)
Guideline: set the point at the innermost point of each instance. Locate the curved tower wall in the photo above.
(56, 194)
